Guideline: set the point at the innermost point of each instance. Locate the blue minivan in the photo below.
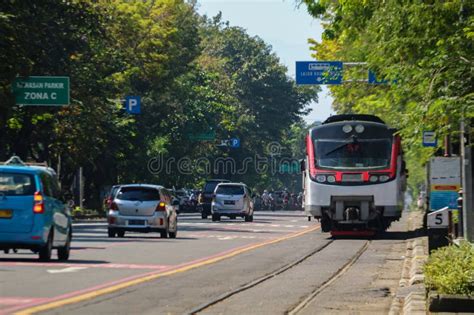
(32, 215)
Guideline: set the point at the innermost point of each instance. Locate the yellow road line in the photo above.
(113, 288)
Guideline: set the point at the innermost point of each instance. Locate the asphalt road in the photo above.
(269, 266)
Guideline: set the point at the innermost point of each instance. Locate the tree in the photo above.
(427, 47)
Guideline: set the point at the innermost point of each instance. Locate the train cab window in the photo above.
(343, 154)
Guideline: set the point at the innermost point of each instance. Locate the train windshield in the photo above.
(350, 154)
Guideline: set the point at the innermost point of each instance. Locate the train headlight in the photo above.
(359, 129)
(331, 179)
(384, 178)
(321, 178)
(347, 128)
(373, 178)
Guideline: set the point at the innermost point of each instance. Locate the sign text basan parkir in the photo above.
(41, 91)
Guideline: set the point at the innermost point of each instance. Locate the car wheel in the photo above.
(47, 249)
(173, 234)
(121, 233)
(63, 252)
(111, 232)
(164, 234)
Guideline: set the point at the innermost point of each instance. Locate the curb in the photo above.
(411, 294)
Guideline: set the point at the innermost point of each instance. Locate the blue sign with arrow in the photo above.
(132, 104)
(373, 79)
(319, 72)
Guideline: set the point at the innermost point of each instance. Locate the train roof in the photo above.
(353, 117)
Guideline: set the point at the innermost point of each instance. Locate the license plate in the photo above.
(229, 202)
(351, 177)
(136, 222)
(5, 214)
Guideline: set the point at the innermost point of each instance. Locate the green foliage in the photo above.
(426, 47)
(450, 270)
(194, 75)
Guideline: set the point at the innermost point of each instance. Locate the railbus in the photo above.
(354, 175)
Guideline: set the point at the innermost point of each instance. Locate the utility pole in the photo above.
(81, 188)
(467, 174)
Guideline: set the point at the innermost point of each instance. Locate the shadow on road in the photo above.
(52, 261)
(400, 235)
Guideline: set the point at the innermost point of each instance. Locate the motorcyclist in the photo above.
(266, 199)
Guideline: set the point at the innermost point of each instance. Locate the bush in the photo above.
(450, 270)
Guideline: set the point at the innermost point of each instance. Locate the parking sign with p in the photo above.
(132, 104)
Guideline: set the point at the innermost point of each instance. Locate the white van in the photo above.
(232, 200)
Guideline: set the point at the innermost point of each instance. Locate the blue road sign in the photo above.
(373, 79)
(234, 143)
(132, 104)
(319, 72)
(429, 139)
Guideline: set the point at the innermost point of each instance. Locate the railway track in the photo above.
(305, 300)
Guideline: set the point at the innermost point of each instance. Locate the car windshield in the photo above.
(347, 154)
(230, 190)
(210, 186)
(14, 184)
(138, 194)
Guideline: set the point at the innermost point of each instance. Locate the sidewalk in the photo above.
(411, 293)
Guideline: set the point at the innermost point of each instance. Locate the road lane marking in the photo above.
(13, 300)
(225, 238)
(66, 270)
(104, 265)
(90, 293)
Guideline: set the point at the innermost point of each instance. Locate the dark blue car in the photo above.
(32, 216)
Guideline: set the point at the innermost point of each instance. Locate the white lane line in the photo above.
(19, 300)
(226, 238)
(66, 270)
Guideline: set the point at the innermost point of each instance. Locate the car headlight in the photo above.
(331, 179)
(373, 178)
(321, 178)
(384, 178)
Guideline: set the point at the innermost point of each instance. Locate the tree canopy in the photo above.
(424, 49)
(195, 75)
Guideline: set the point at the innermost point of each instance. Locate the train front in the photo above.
(354, 177)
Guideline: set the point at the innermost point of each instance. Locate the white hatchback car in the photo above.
(143, 208)
(232, 200)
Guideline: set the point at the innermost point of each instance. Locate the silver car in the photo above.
(232, 200)
(143, 208)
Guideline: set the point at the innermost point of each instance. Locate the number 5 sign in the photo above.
(438, 219)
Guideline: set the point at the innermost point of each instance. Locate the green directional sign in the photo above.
(41, 91)
(208, 136)
(292, 168)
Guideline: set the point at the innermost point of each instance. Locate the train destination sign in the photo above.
(41, 91)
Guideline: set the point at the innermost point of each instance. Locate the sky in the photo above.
(281, 24)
